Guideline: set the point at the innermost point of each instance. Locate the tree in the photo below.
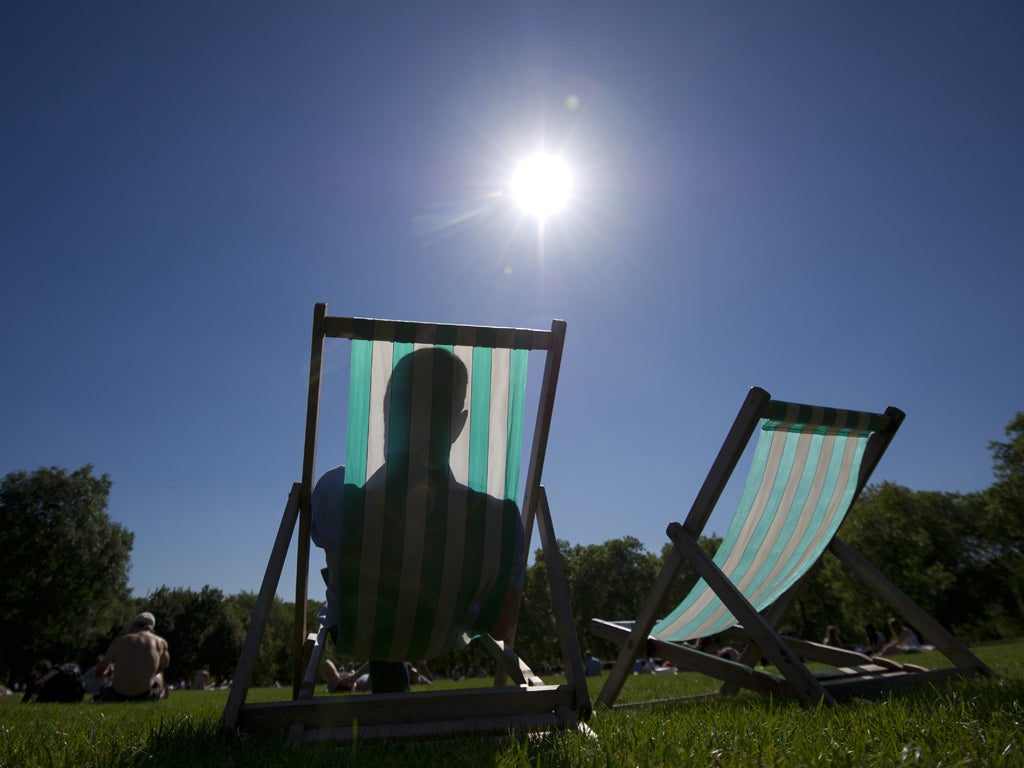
(607, 581)
(536, 639)
(274, 661)
(65, 566)
(1005, 498)
(1003, 515)
(910, 536)
(955, 554)
(1008, 457)
(201, 628)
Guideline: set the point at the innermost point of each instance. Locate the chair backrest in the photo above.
(416, 576)
(805, 474)
(486, 453)
(413, 584)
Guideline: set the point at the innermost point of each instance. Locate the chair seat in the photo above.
(422, 713)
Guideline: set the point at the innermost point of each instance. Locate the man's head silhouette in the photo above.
(424, 407)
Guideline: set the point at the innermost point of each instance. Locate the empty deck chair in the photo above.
(808, 468)
(417, 574)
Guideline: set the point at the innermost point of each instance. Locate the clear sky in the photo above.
(822, 199)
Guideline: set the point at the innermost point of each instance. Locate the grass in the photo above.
(971, 722)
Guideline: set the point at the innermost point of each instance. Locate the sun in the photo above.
(542, 185)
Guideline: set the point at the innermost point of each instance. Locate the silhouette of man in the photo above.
(423, 415)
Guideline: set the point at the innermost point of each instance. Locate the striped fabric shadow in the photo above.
(426, 561)
(801, 483)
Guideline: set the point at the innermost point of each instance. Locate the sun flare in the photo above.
(542, 185)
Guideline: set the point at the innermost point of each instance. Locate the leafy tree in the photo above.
(1008, 457)
(536, 634)
(608, 581)
(1003, 515)
(954, 554)
(200, 628)
(274, 661)
(1005, 498)
(910, 536)
(65, 566)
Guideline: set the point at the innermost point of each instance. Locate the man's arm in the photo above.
(104, 668)
(516, 583)
(326, 502)
(509, 610)
(165, 656)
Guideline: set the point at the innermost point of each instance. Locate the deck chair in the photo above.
(408, 581)
(808, 468)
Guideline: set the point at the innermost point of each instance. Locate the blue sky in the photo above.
(822, 199)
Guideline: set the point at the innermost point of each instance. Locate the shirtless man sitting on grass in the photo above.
(135, 661)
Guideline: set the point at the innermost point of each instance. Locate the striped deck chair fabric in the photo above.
(802, 481)
(416, 576)
(808, 467)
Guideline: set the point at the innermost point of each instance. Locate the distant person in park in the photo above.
(728, 652)
(91, 680)
(135, 661)
(39, 672)
(51, 683)
(591, 665)
(873, 640)
(714, 645)
(358, 680)
(903, 639)
(832, 637)
(355, 681)
(426, 469)
(644, 666)
(201, 681)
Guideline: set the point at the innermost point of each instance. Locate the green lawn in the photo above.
(973, 722)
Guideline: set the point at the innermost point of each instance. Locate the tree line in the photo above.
(65, 591)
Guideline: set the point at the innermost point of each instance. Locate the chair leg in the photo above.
(567, 639)
(260, 614)
(313, 650)
(773, 615)
(510, 662)
(637, 640)
(923, 621)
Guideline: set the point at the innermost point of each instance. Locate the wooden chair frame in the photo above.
(855, 674)
(527, 705)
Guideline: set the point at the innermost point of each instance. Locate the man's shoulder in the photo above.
(144, 637)
(326, 503)
(484, 502)
(331, 482)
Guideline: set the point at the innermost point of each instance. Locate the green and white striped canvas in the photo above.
(801, 484)
(413, 580)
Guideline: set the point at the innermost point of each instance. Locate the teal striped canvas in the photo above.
(424, 562)
(800, 486)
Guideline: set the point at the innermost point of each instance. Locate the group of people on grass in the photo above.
(903, 639)
(130, 670)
